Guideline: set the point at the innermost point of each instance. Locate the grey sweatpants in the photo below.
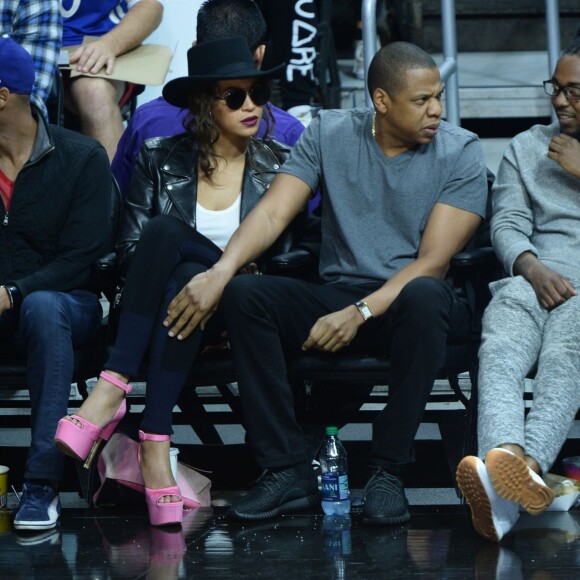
(517, 333)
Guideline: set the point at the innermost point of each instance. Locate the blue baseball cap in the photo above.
(16, 67)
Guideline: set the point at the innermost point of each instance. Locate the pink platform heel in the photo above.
(83, 441)
(162, 513)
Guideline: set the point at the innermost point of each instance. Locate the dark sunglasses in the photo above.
(236, 97)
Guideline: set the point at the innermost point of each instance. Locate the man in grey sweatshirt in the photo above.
(533, 319)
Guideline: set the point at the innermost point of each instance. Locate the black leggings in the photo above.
(168, 255)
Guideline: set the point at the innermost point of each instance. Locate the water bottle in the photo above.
(334, 466)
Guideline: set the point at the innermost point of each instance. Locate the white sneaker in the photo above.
(493, 516)
(514, 480)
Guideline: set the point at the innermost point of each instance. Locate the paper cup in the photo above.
(3, 486)
(173, 453)
(5, 521)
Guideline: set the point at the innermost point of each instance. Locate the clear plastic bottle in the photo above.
(334, 466)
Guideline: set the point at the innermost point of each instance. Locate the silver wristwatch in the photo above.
(364, 310)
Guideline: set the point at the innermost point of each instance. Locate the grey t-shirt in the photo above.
(375, 208)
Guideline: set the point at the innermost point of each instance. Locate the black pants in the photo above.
(168, 255)
(268, 318)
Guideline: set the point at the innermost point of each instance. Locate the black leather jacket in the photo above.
(165, 182)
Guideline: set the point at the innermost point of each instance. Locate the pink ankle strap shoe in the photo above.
(162, 513)
(83, 441)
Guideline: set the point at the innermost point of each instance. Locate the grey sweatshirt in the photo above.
(536, 205)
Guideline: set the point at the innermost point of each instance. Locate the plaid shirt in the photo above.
(37, 26)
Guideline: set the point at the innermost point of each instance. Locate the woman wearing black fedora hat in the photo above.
(188, 195)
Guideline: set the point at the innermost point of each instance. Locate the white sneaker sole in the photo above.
(35, 525)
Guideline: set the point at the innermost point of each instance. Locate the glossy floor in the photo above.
(438, 543)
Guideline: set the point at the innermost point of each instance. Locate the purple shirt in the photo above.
(158, 118)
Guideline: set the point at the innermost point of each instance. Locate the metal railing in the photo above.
(553, 38)
(447, 70)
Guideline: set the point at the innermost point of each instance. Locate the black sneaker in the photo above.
(385, 502)
(275, 493)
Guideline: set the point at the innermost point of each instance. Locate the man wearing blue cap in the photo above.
(54, 209)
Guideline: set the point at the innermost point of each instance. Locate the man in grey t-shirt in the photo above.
(533, 318)
(403, 192)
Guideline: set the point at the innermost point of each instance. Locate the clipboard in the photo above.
(146, 64)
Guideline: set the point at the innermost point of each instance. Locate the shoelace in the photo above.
(270, 480)
(36, 492)
(383, 481)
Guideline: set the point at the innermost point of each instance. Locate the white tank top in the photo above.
(218, 226)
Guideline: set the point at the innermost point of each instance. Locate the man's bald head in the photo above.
(388, 67)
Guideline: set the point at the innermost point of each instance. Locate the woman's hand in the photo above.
(195, 304)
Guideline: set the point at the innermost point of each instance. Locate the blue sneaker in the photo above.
(39, 508)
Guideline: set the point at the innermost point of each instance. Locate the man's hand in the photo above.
(92, 57)
(5, 303)
(334, 331)
(551, 288)
(195, 304)
(565, 151)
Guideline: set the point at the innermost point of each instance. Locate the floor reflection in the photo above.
(438, 543)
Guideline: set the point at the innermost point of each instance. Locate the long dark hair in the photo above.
(199, 123)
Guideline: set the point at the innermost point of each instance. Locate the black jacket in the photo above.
(59, 218)
(165, 182)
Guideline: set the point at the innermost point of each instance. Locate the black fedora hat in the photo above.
(227, 58)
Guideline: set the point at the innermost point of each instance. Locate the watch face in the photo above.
(364, 310)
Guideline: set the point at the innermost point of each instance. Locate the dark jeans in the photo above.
(168, 255)
(49, 326)
(268, 318)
